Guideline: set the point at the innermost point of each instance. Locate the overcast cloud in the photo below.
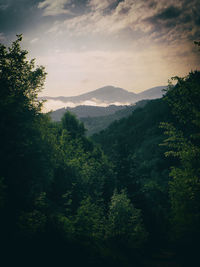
(84, 45)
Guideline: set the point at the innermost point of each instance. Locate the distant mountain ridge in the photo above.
(152, 93)
(95, 118)
(104, 94)
(97, 124)
(109, 95)
(85, 111)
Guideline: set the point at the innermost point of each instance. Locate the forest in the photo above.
(127, 196)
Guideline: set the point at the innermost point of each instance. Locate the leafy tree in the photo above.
(133, 146)
(32, 223)
(125, 223)
(72, 125)
(21, 154)
(89, 221)
(184, 144)
(91, 172)
(20, 81)
(2, 193)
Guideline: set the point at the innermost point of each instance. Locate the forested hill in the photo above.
(129, 198)
(133, 145)
(96, 124)
(134, 129)
(110, 95)
(156, 153)
(95, 118)
(85, 111)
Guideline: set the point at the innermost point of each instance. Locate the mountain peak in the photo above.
(108, 89)
(109, 95)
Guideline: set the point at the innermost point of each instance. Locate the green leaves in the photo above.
(184, 98)
(72, 125)
(20, 136)
(19, 78)
(125, 222)
(89, 221)
(31, 223)
(184, 144)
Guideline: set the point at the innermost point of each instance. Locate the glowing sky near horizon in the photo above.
(88, 44)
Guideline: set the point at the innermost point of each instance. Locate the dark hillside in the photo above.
(96, 124)
(133, 144)
(66, 202)
(156, 153)
(85, 111)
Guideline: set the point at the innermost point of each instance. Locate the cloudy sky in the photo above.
(87, 44)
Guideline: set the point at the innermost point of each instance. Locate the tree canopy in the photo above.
(130, 196)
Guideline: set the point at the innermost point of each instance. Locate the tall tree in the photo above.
(184, 144)
(125, 223)
(20, 135)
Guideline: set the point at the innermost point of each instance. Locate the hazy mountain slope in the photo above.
(104, 94)
(110, 95)
(133, 146)
(152, 93)
(97, 124)
(86, 111)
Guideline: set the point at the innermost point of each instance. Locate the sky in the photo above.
(88, 44)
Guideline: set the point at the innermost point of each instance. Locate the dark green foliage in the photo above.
(72, 125)
(125, 222)
(20, 136)
(97, 124)
(64, 202)
(84, 111)
(166, 189)
(133, 145)
(184, 145)
(54, 181)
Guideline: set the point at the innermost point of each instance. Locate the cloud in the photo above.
(52, 104)
(2, 37)
(102, 42)
(179, 17)
(151, 18)
(56, 104)
(115, 42)
(85, 81)
(170, 12)
(3, 6)
(54, 7)
(126, 14)
(100, 5)
(34, 40)
(125, 68)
